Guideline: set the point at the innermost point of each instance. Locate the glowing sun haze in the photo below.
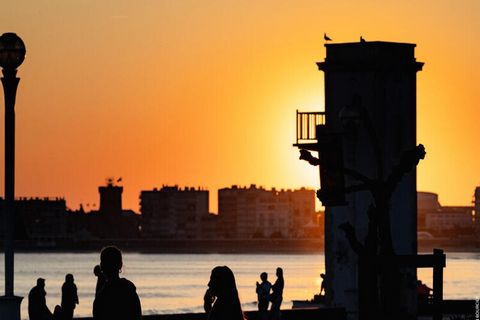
(204, 93)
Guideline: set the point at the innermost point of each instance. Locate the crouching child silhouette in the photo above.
(118, 298)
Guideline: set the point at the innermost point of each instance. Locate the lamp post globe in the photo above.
(12, 51)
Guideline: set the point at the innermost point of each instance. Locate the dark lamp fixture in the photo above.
(12, 51)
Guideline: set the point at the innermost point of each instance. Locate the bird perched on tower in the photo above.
(326, 38)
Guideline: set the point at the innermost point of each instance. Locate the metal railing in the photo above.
(306, 125)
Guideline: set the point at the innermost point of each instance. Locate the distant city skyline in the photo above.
(205, 93)
(212, 195)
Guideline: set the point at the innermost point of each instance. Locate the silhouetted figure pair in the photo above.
(263, 295)
(277, 295)
(37, 302)
(118, 298)
(69, 298)
(222, 292)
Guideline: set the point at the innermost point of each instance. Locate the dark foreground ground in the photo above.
(452, 309)
(297, 314)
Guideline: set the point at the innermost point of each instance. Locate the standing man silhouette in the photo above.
(69, 297)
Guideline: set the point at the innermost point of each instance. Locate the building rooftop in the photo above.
(369, 55)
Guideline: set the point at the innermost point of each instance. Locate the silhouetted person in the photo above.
(37, 302)
(326, 38)
(58, 313)
(322, 285)
(423, 292)
(118, 298)
(222, 286)
(97, 271)
(277, 295)
(69, 297)
(263, 294)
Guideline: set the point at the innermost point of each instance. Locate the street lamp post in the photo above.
(12, 54)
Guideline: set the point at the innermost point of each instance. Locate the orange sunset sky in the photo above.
(204, 93)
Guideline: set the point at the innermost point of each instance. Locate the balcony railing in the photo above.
(306, 125)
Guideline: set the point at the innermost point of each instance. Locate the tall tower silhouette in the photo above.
(368, 124)
(378, 81)
(110, 199)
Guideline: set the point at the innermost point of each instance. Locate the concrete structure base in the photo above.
(10, 307)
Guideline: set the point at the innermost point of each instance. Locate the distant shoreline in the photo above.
(249, 246)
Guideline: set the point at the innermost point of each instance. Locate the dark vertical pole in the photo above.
(439, 264)
(10, 83)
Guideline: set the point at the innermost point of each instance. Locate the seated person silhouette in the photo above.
(37, 302)
(58, 313)
(117, 299)
(223, 289)
(423, 292)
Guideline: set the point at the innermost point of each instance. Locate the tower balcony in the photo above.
(307, 123)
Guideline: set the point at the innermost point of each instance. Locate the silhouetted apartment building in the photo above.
(252, 212)
(39, 219)
(476, 201)
(209, 226)
(443, 220)
(175, 213)
(427, 202)
(458, 220)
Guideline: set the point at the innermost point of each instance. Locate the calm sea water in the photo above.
(175, 283)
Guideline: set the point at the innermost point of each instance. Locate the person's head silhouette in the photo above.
(279, 272)
(222, 283)
(69, 278)
(97, 271)
(41, 283)
(222, 286)
(264, 276)
(111, 262)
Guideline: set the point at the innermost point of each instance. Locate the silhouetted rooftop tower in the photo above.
(110, 199)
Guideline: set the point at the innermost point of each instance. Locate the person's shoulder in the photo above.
(127, 284)
(34, 290)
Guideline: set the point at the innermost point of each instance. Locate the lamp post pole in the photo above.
(12, 54)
